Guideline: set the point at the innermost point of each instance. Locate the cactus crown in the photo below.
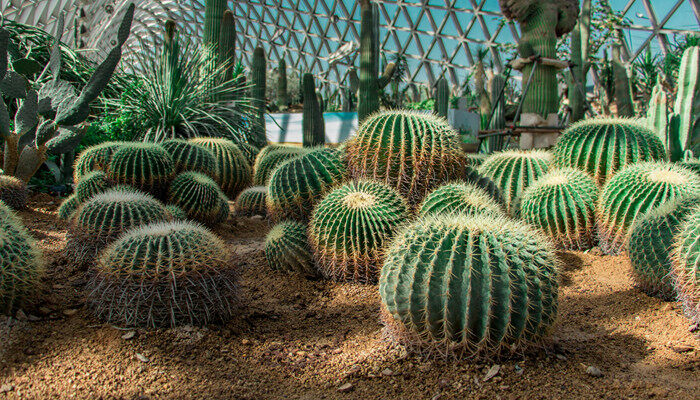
(191, 157)
(287, 249)
(459, 197)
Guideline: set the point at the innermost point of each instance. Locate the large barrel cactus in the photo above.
(144, 166)
(68, 207)
(191, 157)
(199, 197)
(562, 205)
(164, 275)
(602, 146)
(685, 268)
(94, 158)
(13, 192)
(90, 184)
(270, 158)
(458, 198)
(287, 249)
(515, 170)
(251, 202)
(650, 243)
(410, 151)
(468, 284)
(635, 190)
(21, 262)
(297, 184)
(350, 228)
(235, 173)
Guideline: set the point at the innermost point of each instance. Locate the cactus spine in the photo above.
(270, 158)
(259, 81)
(313, 125)
(91, 184)
(234, 172)
(188, 156)
(199, 197)
(68, 207)
(442, 97)
(94, 158)
(287, 249)
(145, 166)
(657, 114)
(685, 268)
(282, 95)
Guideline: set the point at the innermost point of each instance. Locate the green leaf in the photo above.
(26, 66)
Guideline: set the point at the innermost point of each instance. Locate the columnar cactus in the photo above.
(213, 15)
(227, 43)
(350, 228)
(602, 146)
(685, 267)
(468, 285)
(459, 198)
(498, 120)
(282, 94)
(189, 156)
(314, 128)
(298, 183)
(235, 174)
(21, 262)
(68, 207)
(562, 205)
(259, 80)
(251, 202)
(651, 239)
(657, 113)
(635, 190)
(145, 166)
(580, 49)
(442, 97)
(515, 170)
(94, 158)
(13, 192)
(623, 88)
(164, 275)
(268, 160)
(287, 249)
(687, 104)
(91, 184)
(410, 151)
(199, 197)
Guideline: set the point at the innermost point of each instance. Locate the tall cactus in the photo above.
(623, 90)
(213, 16)
(442, 97)
(282, 95)
(227, 43)
(259, 77)
(687, 104)
(313, 125)
(657, 113)
(579, 55)
(498, 120)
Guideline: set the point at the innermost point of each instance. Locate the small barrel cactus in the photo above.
(297, 184)
(13, 192)
(562, 205)
(350, 228)
(457, 198)
(94, 158)
(21, 262)
(287, 249)
(199, 197)
(235, 173)
(685, 268)
(268, 160)
(176, 213)
(164, 275)
(251, 202)
(410, 151)
(191, 157)
(68, 207)
(473, 176)
(635, 190)
(602, 146)
(145, 166)
(90, 184)
(468, 285)
(651, 239)
(515, 170)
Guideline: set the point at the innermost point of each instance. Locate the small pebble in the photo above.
(346, 388)
(69, 312)
(245, 342)
(493, 371)
(594, 371)
(387, 372)
(129, 335)
(141, 358)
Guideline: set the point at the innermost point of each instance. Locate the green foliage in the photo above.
(91, 184)
(269, 158)
(459, 198)
(95, 158)
(164, 275)
(350, 228)
(632, 192)
(468, 285)
(251, 202)
(199, 197)
(13, 192)
(685, 267)
(562, 205)
(68, 207)
(145, 166)
(191, 157)
(234, 172)
(287, 249)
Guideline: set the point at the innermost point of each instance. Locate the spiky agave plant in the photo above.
(164, 275)
(459, 198)
(685, 268)
(287, 249)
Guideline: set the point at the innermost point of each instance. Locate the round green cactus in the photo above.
(176, 213)
(235, 173)
(651, 239)
(90, 184)
(13, 192)
(457, 198)
(562, 205)
(410, 151)
(297, 184)
(270, 158)
(94, 158)
(164, 275)
(685, 267)
(68, 207)
(199, 197)
(602, 146)
(513, 171)
(251, 202)
(473, 176)
(191, 157)
(635, 190)
(249, 152)
(350, 228)
(144, 166)
(287, 249)
(468, 285)
(21, 262)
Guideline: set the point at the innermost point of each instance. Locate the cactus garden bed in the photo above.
(299, 338)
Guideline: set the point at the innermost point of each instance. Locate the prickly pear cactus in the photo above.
(562, 205)
(164, 274)
(459, 198)
(68, 207)
(602, 146)
(468, 285)
(515, 170)
(90, 184)
(145, 166)
(199, 197)
(685, 268)
(251, 202)
(651, 239)
(287, 249)
(350, 228)
(635, 190)
(235, 173)
(270, 158)
(13, 192)
(95, 158)
(410, 151)
(296, 184)
(191, 157)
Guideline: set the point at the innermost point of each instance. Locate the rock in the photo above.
(245, 342)
(493, 371)
(21, 315)
(45, 310)
(69, 312)
(681, 348)
(353, 370)
(387, 372)
(33, 318)
(594, 371)
(561, 357)
(7, 388)
(141, 358)
(348, 387)
(129, 335)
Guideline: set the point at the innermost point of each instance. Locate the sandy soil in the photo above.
(300, 339)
